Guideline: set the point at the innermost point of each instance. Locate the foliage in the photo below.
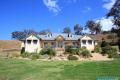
(25, 54)
(98, 49)
(48, 51)
(23, 50)
(94, 27)
(85, 53)
(71, 50)
(112, 52)
(115, 13)
(104, 43)
(22, 34)
(78, 29)
(44, 32)
(34, 56)
(98, 28)
(72, 57)
(66, 30)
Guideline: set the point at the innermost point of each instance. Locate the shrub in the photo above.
(22, 50)
(71, 57)
(71, 50)
(104, 44)
(34, 56)
(48, 51)
(43, 51)
(25, 54)
(85, 53)
(108, 50)
(98, 49)
(112, 52)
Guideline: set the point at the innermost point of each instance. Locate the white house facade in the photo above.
(34, 43)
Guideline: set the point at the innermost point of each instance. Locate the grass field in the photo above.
(13, 69)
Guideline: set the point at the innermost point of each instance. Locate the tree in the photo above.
(66, 30)
(44, 32)
(94, 27)
(98, 28)
(22, 34)
(78, 29)
(115, 13)
(91, 26)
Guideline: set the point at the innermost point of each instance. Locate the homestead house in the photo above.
(34, 43)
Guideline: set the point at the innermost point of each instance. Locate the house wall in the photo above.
(32, 47)
(90, 47)
(40, 44)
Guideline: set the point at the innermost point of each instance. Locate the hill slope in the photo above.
(10, 44)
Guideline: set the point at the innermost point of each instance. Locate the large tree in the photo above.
(98, 28)
(22, 34)
(115, 13)
(44, 32)
(66, 30)
(91, 26)
(78, 29)
(94, 27)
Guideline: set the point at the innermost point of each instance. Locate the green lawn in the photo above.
(13, 69)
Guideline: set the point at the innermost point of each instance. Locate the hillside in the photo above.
(10, 44)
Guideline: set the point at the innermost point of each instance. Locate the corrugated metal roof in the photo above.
(53, 36)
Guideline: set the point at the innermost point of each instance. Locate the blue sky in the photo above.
(16, 15)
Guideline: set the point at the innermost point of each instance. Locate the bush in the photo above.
(71, 50)
(104, 44)
(71, 57)
(34, 56)
(85, 53)
(112, 52)
(108, 50)
(22, 50)
(25, 54)
(48, 51)
(98, 49)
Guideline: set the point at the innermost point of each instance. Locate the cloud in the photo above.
(108, 4)
(52, 5)
(87, 9)
(107, 24)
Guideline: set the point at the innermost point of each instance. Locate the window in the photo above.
(35, 41)
(75, 44)
(60, 44)
(90, 42)
(28, 41)
(84, 41)
(45, 44)
(53, 44)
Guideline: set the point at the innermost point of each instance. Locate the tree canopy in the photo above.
(22, 34)
(66, 30)
(94, 27)
(78, 29)
(115, 13)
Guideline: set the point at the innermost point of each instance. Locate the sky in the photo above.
(17, 15)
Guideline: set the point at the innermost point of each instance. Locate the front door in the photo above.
(60, 44)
